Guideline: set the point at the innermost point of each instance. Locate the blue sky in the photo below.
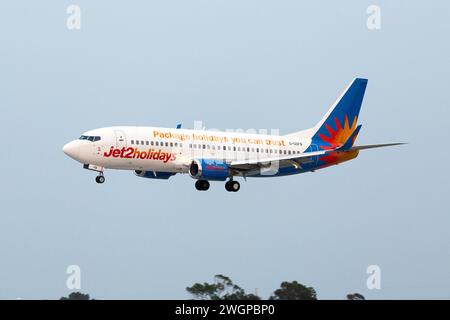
(231, 64)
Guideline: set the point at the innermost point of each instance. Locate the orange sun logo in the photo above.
(339, 136)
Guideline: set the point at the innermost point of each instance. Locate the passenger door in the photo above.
(121, 139)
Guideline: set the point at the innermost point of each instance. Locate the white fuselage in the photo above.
(171, 150)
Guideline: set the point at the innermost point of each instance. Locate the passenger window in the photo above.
(152, 143)
(156, 143)
(167, 144)
(224, 148)
(234, 148)
(171, 144)
(146, 142)
(257, 149)
(204, 146)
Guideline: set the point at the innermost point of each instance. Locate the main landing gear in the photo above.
(202, 185)
(100, 178)
(232, 186)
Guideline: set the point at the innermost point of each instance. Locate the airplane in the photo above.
(160, 153)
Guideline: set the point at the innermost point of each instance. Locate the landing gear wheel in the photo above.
(232, 186)
(100, 179)
(202, 185)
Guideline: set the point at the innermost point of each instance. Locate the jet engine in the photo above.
(208, 169)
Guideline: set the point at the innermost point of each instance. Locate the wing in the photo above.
(249, 166)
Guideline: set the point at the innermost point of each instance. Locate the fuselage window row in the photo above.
(204, 146)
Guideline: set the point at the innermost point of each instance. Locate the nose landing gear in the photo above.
(100, 178)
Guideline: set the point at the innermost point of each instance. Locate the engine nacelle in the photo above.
(154, 174)
(209, 169)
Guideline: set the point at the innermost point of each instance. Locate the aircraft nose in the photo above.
(72, 149)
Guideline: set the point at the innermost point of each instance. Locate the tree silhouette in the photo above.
(222, 289)
(294, 291)
(355, 296)
(76, 296)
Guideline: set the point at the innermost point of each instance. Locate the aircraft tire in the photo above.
(202, 185)
(100, 179)
(232, 186)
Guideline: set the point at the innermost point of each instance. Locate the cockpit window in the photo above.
(91, 138)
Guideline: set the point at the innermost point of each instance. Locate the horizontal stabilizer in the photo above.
(372, 146)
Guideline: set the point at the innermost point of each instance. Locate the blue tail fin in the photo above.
(339, 124)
